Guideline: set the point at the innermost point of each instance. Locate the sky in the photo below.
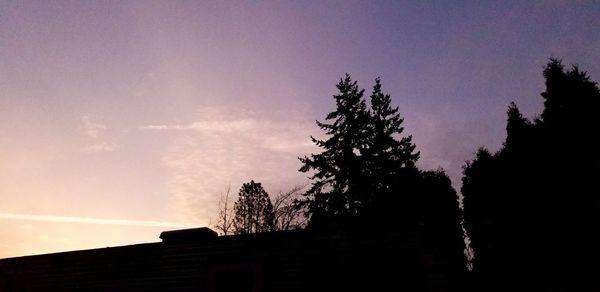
(122, 119)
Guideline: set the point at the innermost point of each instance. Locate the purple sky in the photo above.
(121, 119)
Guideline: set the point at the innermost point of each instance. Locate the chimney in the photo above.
(188, 235)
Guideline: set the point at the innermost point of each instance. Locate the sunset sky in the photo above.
(122, 119)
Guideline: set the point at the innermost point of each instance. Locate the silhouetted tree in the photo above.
(337, 187)
(386, 125)
(531, 207)
(390, 163)
(439, 224)
(253, 210)
(362, 159)
(288, 214)
(366, 176)
(225, 214)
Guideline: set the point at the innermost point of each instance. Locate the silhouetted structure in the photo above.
(199, 260)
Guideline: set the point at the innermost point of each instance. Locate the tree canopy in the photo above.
(337, 188)
(530, 208)
(253, 211)
(366, 175)
(361, 158)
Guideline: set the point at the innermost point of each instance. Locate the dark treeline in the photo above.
(530, 209)
(365, 177)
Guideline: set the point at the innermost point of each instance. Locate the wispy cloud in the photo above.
(100, 147)
(219, 125)
(221, 149)
(90, 128)
(88, 220)
(160, 127)
(93, 131)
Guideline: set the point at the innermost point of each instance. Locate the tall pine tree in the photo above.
(337, 171)
(389, 160)
(386, 126)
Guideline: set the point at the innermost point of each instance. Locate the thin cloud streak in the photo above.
(88, 220)
(100, 147)
(164, 127)
(223, 125)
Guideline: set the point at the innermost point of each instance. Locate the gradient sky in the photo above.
(121, 119)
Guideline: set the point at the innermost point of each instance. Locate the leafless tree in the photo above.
(225, 214)
(288, 214)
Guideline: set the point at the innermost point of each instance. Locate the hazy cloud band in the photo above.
(88, 220)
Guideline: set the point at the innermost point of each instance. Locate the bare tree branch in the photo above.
(224, 214)
(288, 214)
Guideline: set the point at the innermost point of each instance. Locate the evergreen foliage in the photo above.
(366, 175)
(531, 208)
(337, 189)
(387, 159)
(253, 211)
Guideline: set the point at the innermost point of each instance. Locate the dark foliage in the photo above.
(531, 209)
(387, 159)
(253, 210)
(366, 176)
(337, 191)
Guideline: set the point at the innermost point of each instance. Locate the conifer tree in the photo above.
(253, 210)
(531, 207)
(365, 176)
(387, 158)
(336, 171)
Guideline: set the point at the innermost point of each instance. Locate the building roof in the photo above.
(199, 260)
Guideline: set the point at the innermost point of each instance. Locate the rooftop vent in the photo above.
(188, 235)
